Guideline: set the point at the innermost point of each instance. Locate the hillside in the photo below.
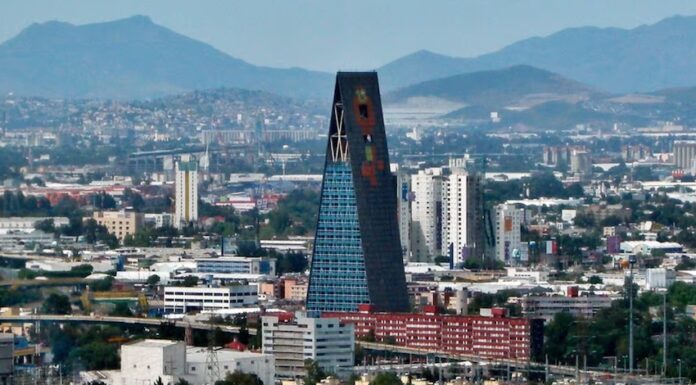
(134, 58)
(646, 58)
(519, 86)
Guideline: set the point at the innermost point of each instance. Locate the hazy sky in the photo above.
(331, 35)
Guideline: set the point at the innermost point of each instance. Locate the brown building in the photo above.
(119, 223)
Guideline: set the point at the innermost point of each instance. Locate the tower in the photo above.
(186, 189)
(462, 216)
(357, 257)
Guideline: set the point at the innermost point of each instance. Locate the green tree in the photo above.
(314, 373)
(386, 378)
(153, 280)
(56, 303)
(240, 378)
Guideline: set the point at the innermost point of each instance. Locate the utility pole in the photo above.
(631, 262)
(664, 333)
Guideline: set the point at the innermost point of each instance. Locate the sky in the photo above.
(357, 34)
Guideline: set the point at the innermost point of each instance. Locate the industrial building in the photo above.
(144, 361)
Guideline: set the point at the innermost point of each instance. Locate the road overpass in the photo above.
(34, 318)
(437, 358)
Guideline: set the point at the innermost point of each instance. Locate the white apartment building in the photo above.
(325, 340)
(142, 362)
(508, 241)
(186, 191)
(178, 299)
(462, 216)
(403, 209)
(426, 214)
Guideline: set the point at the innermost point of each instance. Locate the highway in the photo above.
(119, 320)
(467, 359)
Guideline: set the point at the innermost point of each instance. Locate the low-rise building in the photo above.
(144, 361)
(178, 299)
(119, 223)
(246, 265)
(492, 334)
(546, 307)
(295, 288)
(327, 341)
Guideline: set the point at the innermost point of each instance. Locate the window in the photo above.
(363, 111)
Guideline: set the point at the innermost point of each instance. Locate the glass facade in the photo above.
(339, 282)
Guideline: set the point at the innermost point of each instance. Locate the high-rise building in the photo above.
(403, 204)
(508, 241)
(357, 256)
(186, 186)
(426, 215)
(581, 163)
(462, 216)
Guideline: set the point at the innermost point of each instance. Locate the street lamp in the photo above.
(680, 378)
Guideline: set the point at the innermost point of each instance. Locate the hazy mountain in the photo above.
(134, 58)
(514, 87)
(645, 58)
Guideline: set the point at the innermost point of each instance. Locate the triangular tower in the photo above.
(357, 252)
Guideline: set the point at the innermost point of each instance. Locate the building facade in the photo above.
(242, 265)
(426, 215)
(508, 240)
(403, 204)
(546, 307)
(462, 216)
(684, 152)
(357, 255)
(178, 299)
(493, 335)
(119, 223)
(142, 362)
(186, 191)
(327, 341)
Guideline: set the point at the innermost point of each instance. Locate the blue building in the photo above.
(357, 256)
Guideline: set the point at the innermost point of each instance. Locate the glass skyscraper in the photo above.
(357, 255)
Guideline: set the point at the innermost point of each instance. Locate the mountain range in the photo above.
(136, 58)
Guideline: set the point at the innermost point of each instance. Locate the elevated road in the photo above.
(475, 360)
(119, 320)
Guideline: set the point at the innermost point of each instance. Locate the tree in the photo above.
(153, 280)
(158, 381)
(189, 281)
(386, 378)
(181, 381)
(46, 225)
(240, 378)
(121, 310)
(56, 303)
(595, 280)
(314, 373)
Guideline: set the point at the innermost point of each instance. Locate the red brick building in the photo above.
(494, 336)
